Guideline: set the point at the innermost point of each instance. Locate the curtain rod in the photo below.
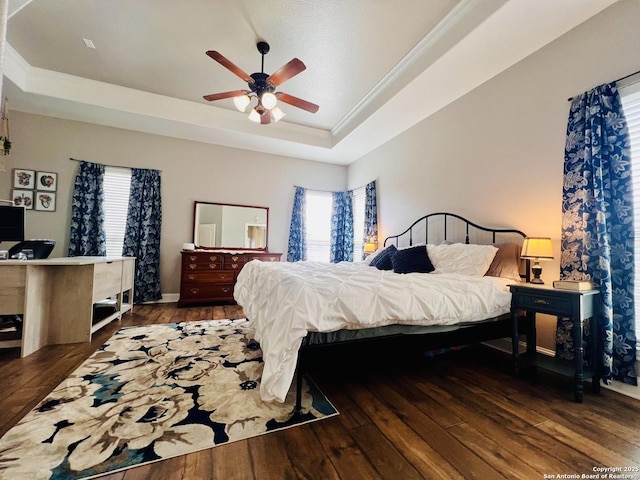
(114, 166)
(615, 81)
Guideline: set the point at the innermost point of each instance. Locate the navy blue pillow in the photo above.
(382, 261)
(412, 260)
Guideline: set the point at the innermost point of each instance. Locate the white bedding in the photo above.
(286, 300)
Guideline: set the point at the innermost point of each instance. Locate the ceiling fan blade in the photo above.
(297, 102)
(285, 72)
(229, 65)
(220, 96)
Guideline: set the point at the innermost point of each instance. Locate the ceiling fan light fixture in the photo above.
(254, 116)
(241, 102)
(268, 100)
(277, 114)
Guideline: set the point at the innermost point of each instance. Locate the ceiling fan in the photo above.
(262, 87)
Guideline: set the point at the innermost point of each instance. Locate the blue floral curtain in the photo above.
(87, 235)
(342, 227)
(597, 226)
(297, 250)
(142, 235)
(370, 214)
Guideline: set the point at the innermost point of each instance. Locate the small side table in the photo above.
(578, 306)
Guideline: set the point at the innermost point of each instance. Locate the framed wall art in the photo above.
(22, 198)
(47, 181)
(45, 201)
(23, 179)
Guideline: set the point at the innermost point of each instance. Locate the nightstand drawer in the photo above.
(543, 303)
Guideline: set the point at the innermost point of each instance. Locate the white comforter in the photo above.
(286, 300)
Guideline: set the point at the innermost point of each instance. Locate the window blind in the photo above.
(117, 182)
(630, 96)
(358, 223)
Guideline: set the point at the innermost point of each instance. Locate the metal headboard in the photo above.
(441, 224)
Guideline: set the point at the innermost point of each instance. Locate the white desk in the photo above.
(56, 297)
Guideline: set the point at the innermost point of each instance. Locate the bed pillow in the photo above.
(461, 258)
(382, 261)
(412, 260)
(506, 263)
(369, 258)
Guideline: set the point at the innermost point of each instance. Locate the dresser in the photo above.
(208, 276)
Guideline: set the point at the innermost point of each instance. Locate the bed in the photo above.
(442, 282)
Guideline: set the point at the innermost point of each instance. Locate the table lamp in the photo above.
(536, 249)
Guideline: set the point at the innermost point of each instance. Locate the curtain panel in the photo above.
(342, 227)
(142, 235)
(87, 236)
(297, 249)
(597, 225)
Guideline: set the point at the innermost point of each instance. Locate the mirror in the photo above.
(223, 225)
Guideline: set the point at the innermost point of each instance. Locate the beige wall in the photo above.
(190, 171)
(496, 155)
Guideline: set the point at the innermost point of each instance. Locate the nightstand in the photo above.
(574, 304)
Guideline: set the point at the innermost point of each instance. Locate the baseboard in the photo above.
(166, 298)
(504, 345)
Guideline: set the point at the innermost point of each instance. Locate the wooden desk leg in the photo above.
(578, 358)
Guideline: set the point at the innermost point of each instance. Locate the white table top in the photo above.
(65, 261)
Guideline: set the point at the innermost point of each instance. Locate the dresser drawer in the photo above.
(205, 257)
(264, 258)
(544, 303)
(202, 266)
(198, 277)
(107, 279)
(206, 292)
(234, 261)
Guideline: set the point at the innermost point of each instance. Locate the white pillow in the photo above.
(371, 256)
(472, 260)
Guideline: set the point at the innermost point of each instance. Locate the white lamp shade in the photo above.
(370, 247)
(538, 248)
(277, 113)
(254, 116)
(241, 102)
(269, 100)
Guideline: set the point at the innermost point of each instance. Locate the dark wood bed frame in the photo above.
(445, 225)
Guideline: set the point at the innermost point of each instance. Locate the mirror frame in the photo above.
(266, 239)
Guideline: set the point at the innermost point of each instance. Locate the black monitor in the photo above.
(11, 223)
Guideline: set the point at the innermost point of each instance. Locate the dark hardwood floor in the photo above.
(459, 415)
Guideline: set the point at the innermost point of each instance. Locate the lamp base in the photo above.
(537, 271)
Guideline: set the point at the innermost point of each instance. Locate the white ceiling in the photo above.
(374, 67)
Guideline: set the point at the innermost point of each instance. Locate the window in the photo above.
(358, 222)
(631, 103)
(318, 223)
(117, 182)
(319, 206)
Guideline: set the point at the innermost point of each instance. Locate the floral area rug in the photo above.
(151, 393)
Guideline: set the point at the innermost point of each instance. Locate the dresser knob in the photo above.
(234, 265)
(192, 277)
(541, 301)
(195, 291)
(213, 258)
(234, 258)
(193, 258)
(192, 266)
(226, 290)
(213, 265)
